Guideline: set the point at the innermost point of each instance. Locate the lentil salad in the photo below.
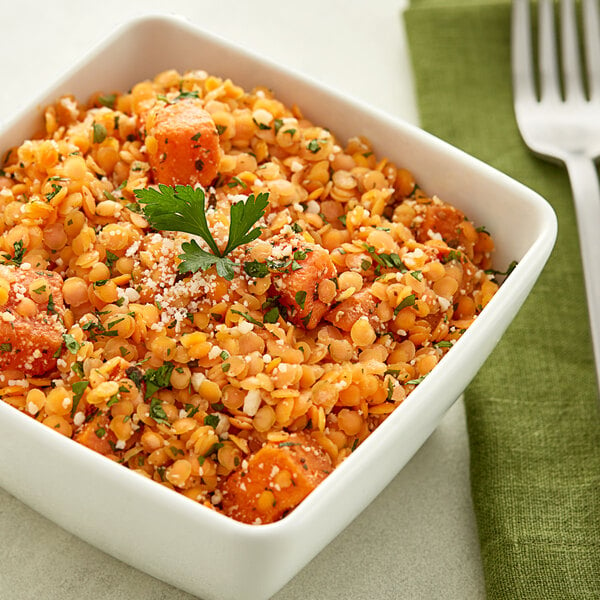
(243, 384)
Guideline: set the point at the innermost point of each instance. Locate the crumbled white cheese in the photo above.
(251, 402)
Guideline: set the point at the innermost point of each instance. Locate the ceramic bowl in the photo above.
(166, 534)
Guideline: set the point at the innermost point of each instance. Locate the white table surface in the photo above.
(418, 539)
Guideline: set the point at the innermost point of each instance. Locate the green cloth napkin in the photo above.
(532, 412)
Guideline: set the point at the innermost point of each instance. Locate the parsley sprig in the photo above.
(183, 208)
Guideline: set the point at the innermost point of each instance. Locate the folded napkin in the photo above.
(532, 412)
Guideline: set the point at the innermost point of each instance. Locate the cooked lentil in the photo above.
(241, 395)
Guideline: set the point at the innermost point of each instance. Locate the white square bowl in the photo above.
(166, 534)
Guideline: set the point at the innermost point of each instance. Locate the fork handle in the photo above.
(586, 197)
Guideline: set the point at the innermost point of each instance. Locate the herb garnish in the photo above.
(506, 273)
(157, 412)
(78, 389)
(212, 420)
(107, 100)
(156, 379)
(300, 298)
(256, 269)
(248, 318)
(182, 208)
(391, 261)
(19, 252)
(71, 343)
(408, 301)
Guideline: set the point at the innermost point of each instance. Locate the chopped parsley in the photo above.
(390, 261)
(78, 388)
(55, 190)
(110, 258)
(300, 298)
(191, 409)
(506, 273)
(248, 318)
(71, 343)
(272, 315)
(157, 379)
(408, 301)
(256, 269)
(107, 100)
(313, 146)
(157, 412)
(18, 253)
(235, 181)
(50, 306)
(212, 420)
(444, 344)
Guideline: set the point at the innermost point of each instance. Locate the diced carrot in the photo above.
(442, 219)
(182, 143)
(31, 335)
(347, 312)
(298, 286)
(96, 435)
(276, 479)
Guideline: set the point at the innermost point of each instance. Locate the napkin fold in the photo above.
(532, 411)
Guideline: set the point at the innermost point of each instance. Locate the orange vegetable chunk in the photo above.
(298, 288)
(182, 144)
(276, 479)
(347, 312)
(443, 219)
(96, 435)
(30, 326)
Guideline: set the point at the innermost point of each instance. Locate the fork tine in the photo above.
(591, 26)
(548, 61)
(570, 52)
(521, 53)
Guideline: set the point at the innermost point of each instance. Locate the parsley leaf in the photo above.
(271, 316)
(157, 412)
(248, 318)
(391, 261)
(506, 273)
(195, 258)
(183, 208)
(156, 379)
(78, 388)
(19, 252)
(300, 298)
(408, 301)
(243, 216)
(212, 420)
(107, 100)
(71, 343)
(256, 269)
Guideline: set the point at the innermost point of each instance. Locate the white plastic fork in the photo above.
(565, 127)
